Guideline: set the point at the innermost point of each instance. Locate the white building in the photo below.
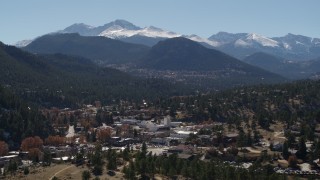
(182, 134)
(167, 121)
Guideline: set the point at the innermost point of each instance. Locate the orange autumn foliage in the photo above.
(55, 140)
(104, 134)
(124, 129)
(30, 143)
(82, 139)
(3, 148)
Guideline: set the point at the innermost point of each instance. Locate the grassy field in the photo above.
(61, 171)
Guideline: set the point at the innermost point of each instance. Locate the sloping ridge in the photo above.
(264, 60)
(96, 48)
(184, 54)
(288, 69)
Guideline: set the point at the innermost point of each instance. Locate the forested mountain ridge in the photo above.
(61, 80)
(100, 49)
(292, 103)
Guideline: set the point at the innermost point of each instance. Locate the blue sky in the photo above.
(27, 19)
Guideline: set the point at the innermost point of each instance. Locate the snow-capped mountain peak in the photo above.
(77, 27)
(115, 28)
(241, 42)
(116, 32)
(226, 38)
(264, 41)
(152, 31)
(152, 28)
(122, 23)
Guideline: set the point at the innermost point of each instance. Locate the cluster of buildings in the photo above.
(130, 125)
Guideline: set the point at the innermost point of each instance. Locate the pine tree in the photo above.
(126, 154)
(12, 167)
(129, 172)
(47, 157)
(302, 151)
(285, 150)
(143, 150)
(249, 138)
(86, 175)
(112, 160)
(185, 170)
(97, 160)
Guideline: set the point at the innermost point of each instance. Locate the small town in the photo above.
(126, 128)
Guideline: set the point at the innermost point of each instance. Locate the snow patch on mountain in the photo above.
(84, 25)
(77, 27)
(252, 39)
(196, 38)
(22, 43)
(241, 42)
(287, 46)
(117, 32)
(226, 38)
(157, 32)
(315, 41)
(264, 41)
(298, 42)
(123, 23)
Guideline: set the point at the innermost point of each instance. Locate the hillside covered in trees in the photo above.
(19, 120)
(288, 103)
(63, 81)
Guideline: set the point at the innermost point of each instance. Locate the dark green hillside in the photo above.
(18, 120)
(100, 49)
(60, 80)
(292, 103)
(264, 60)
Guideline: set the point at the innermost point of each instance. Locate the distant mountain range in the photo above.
(121, 42)
(291, 47)
(239, 45)
(174, 54)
